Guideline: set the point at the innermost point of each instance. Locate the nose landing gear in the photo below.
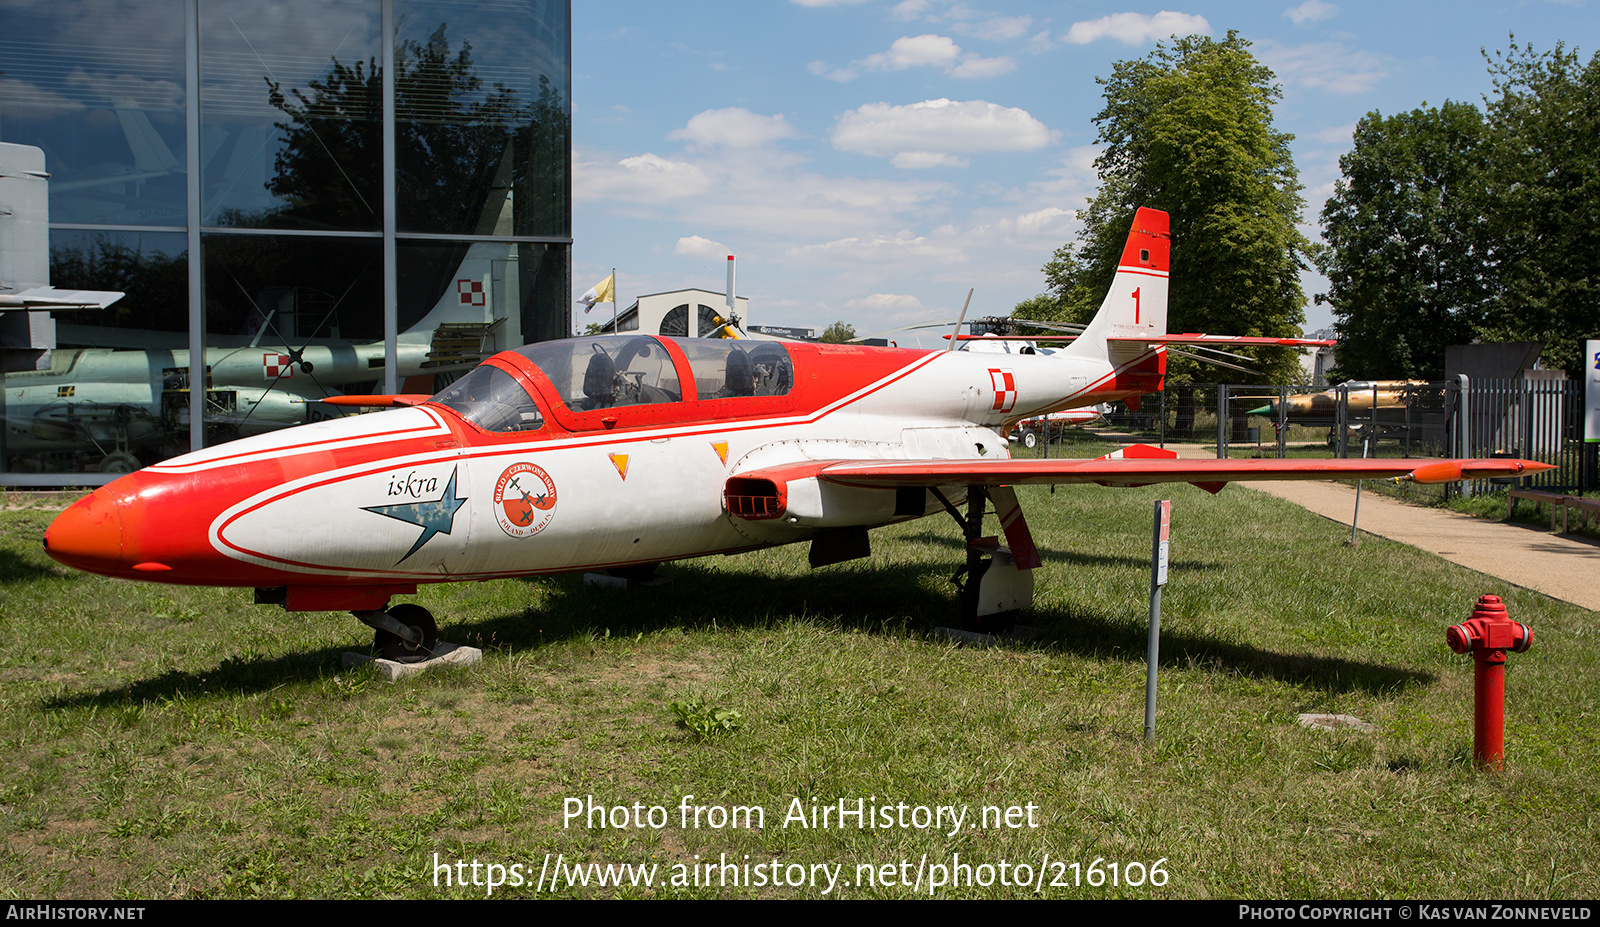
(405, 633)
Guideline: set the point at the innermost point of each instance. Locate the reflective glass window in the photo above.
(99, 86)
(291, 109)
(104, 404)
(290, 320)
(482, 107)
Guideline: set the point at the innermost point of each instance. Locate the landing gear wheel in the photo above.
(119, 462)
(1029, 439)
(396, 648)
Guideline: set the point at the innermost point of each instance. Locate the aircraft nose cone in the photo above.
(88, 535)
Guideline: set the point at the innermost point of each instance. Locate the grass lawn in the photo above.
(165, 742)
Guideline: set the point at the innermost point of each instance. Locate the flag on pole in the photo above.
(602, 292)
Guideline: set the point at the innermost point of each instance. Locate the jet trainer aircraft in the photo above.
(623, 452)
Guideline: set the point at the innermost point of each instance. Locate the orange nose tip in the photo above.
(88, 535)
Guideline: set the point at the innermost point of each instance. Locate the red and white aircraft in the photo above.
(624, 452)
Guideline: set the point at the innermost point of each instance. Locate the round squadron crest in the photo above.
(524, 500)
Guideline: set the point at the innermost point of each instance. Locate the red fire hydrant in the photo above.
(1487, 635)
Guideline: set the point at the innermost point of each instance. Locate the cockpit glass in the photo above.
(607, 372)
(493, 400)
(728, 369)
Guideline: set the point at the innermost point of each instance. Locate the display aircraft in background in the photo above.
(1363, 396)
(623, 452)
(1029, 432)
(119, 402)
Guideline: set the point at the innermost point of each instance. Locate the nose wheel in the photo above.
(416, 620)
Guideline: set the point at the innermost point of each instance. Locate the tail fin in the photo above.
(1136, 304)
(471, 297)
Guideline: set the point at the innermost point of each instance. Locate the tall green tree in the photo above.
(1406, 268)
(1542, 200)
(1450, 226)
(1188, 129)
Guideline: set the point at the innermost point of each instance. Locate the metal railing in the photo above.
(1534, 419)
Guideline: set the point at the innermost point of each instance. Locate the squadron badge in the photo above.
(524, 500)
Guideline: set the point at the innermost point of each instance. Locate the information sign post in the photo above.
(1158, 578)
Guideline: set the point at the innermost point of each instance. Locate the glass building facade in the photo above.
(315, 196)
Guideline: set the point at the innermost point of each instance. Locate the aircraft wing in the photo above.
(1210, 475)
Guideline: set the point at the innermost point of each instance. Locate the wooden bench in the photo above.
(1589, 507)
(1555, 500)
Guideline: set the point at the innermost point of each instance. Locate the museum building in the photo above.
(317, 196)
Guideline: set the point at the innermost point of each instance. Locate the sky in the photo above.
(869, 161)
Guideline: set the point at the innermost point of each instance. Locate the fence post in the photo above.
(1341, 419)
(1464, 425)
(1283, 421)
(1222, 421)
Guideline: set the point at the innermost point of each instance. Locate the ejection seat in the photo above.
(740, 377)
(600, 382)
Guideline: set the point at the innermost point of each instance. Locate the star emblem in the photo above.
(436, 517)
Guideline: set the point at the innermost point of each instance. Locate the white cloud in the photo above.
(1325, 65)
(695, 246)
(32, 101)
(1335, 135)
(915, 160)
(915, 51)
(643, 178)
(1040, 229)
(1311, 11)
(839, 75)
(999, 29)
(909, 9)
(879, 249)
(887, 302)
(975, 67)
(735, 127)
(1137, 28)
(918, 134)
(919, 51)
(125, 89)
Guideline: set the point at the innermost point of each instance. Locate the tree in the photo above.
(1541, 201)
(838, 333)
(1450, 226)
(1406, 267)
(1188, 129)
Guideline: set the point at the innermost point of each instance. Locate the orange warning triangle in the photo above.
(620, 461)
(721, 447)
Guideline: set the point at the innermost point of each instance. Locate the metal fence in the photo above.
(1534, 419)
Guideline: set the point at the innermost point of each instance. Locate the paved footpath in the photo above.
(1559, 566)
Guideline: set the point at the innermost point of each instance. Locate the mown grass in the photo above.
(173, 742)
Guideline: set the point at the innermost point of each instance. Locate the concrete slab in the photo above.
(444, 654)
(1335, 722)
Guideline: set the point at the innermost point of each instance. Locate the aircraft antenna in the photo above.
(955, 336)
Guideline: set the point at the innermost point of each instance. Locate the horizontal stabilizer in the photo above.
(1193, 338)
(48, 297)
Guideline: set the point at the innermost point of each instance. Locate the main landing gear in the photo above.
(996, 582)
(404, 633)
